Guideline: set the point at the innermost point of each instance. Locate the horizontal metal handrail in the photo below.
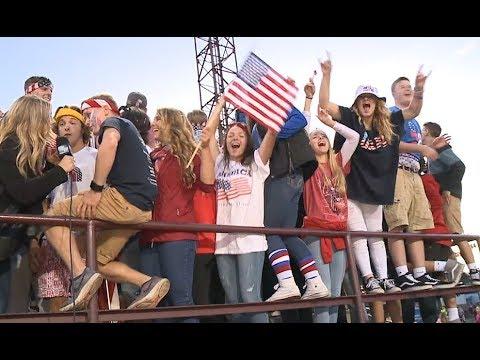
(208, 310)
(159, 226)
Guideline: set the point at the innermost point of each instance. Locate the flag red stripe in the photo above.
(261, 110)
(272, 96)
(257, 95)
(281, 86)
(292, 84)
(275, 92)
(264, 122)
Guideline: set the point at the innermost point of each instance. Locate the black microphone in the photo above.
(63, 147)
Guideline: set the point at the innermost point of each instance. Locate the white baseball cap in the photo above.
(368, 89)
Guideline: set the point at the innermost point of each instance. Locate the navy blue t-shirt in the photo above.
(132, 172)
(374, 163)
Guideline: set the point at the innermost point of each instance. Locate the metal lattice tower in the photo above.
(216, 67)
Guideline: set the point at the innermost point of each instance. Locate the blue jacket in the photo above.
(296, 121)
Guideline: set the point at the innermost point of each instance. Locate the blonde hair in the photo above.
(338, 178)
(381, 120)
(180, 139)
(28, 118)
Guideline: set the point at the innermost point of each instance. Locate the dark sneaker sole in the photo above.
(88, 290)
(155, 295)
(416, 288)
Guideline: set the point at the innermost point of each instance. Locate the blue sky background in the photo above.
(164, 69)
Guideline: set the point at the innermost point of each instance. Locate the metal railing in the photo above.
(357, 299)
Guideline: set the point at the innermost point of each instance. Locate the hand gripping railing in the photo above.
(93, 315)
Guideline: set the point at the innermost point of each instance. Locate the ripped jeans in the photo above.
(241, 277)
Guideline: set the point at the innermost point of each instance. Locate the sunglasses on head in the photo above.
(239, 124)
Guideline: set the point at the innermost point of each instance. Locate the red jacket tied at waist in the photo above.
(326, 243)
(432, 190)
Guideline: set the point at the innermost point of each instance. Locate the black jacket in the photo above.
(291, 154)
(19, 194)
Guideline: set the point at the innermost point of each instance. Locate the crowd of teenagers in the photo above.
(381, 172)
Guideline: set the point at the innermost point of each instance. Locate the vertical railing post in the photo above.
(352, 268)
(92, 312)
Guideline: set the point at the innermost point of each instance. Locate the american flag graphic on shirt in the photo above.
(231, 188)
(76, 175)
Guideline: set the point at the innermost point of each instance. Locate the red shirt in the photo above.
(325, 208)
(321, 200)
(174, 201)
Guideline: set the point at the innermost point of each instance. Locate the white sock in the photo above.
(439, 265)
(417, 272)
(452, 314)
(401, 270)
(378, 255)
(472, 266)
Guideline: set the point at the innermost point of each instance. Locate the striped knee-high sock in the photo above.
(280, 262)
(308, 268)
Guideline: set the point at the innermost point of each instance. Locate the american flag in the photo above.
(232, 188)
(262, 93)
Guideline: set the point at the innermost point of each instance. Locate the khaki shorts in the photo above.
(112, 207)
(410, 206)
(453, 215)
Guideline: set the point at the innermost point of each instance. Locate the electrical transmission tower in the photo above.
(216, 67)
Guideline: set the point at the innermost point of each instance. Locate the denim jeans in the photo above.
(332, 275)
(4, 284)
(281, 210)
(173, 260)
(241, 277)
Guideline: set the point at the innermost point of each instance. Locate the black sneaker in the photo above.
(428, 280)
(475, 277)
(372, 286)
(408, 283)
(388, 285)
(83, 288)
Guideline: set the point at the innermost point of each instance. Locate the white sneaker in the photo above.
(315, 289)
(287, 289)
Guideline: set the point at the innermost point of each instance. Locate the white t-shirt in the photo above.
(81, 176)
(240, 202)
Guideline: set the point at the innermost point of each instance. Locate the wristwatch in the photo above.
(95, 187)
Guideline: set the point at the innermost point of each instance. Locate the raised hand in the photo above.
(420, 79)
(441, 141)
(309, 88)
(326, 65)
(325, 117)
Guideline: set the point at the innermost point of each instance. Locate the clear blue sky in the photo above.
(165, 70)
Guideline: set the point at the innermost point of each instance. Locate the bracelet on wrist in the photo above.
(310, 98)
(95, 187)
